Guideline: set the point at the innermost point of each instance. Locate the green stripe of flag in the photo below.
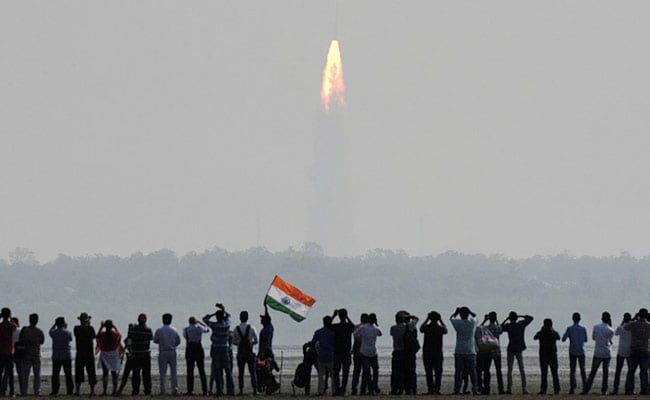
(276, 305)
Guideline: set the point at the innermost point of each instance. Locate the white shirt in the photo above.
(602, 336)
(252, 334)
(368, 334)
(624, 341)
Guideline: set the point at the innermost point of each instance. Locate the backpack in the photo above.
(486, 341)
(411, 344)
(245, 347)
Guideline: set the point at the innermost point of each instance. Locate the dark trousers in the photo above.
(398, 372)
(67, 371)
(87, 364)
(464, 362)
(141, 365)
(433, 365)
(369, 383)
(637, 359)
(592, 374)
(620, 361)
(546, 362)
(483, 362)
(222, 363)
(6, 374)
(128, 368)
(243, 361)
(410, 377)
(580, 360)
(342, 364)
(195, 356)
(356, 370)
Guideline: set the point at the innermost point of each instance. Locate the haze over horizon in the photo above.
(510, 127)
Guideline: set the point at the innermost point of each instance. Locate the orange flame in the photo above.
(333, 86)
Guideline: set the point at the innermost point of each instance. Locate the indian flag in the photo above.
(288, 299)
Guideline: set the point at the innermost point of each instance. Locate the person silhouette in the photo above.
(548, 337)
(577, 335)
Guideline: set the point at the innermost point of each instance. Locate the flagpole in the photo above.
(267, 290)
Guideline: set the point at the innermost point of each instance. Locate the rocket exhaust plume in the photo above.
(333, 88)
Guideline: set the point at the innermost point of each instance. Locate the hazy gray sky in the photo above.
(515, 127)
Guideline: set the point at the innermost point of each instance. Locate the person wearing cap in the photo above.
(194, 354)
(139, 337)
(84, 335)
(33, 338)
(61, 355)
(168, 339)
(266, 334)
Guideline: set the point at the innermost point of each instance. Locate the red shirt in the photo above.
(114, 345)
(7, 329)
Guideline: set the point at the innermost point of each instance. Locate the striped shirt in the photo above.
(220, 332)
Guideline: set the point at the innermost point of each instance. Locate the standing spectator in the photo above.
(266, 334)
(84, 335)
(323, 341)
(548, 338)
(7, 330)
(368, 333)
(167, 339)
(602, 336)
(495, 355)
(33, 338)
(356, 356)
(623, 354)
(398, 360)
(515, 325)
(139, 337)
(19, 354)
(432, 356)
(342, 350)
(110, 352)
(465, 351)
(577, 335)
(194, 354)
(61, 356)
(221, 361)
(245, 338)
(639, 351)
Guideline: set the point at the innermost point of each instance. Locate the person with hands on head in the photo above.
(492, 324)
(433, 329)
(623, 353)
(342, 350)
(110, 353)
(61, 356)
(548, 338)
(266, 334)
(465, 351)
(219, 351)
(639, 330)
(515, 325)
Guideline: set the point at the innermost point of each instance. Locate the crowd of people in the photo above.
(20, 351)
(477, 349)
(336, 349)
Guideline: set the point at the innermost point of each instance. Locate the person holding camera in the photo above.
(515, 325)
(342, 350)
(639, 329)
(368, 333)
(110, 356)
(61, 356)
(465, 351)
(219, 351)
(84, 335)
(433, 329)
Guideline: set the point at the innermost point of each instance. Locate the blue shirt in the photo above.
(324, 342)
(220, 333)
(266, 338)
(61, 339)
(193, 333)
(167, 338)
(465, 329)
(577, 335)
